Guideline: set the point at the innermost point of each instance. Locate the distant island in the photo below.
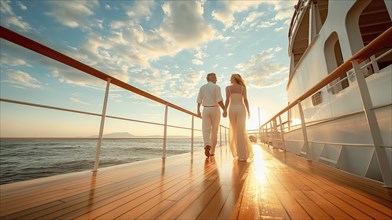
(124, 135)
(115, 135)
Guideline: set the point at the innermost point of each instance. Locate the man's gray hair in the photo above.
(209, 75)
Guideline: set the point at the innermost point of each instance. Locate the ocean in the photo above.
(30, 159)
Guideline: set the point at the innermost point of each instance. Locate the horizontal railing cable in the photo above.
(90, 113)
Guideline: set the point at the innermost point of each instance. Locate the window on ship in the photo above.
(334, 58)
(373, 21)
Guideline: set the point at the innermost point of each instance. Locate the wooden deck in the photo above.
(275, 185)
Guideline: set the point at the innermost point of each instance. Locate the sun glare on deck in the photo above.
(259, 165)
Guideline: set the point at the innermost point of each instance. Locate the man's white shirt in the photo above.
(209, 95)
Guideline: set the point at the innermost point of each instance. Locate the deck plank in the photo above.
(359, 205)
(275, 185)
(116, 206)
(297, 189)
(358, 200)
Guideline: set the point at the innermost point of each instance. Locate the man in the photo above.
(210, 97)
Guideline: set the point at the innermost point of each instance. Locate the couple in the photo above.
(210, 97)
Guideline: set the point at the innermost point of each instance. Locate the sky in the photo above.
(165, 48)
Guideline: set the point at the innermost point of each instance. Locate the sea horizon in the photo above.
(25, 159)
(94, 138)
(108, 136)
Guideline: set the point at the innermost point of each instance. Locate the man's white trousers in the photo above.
(210, 126)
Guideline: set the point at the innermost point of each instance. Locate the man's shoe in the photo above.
(207, 149)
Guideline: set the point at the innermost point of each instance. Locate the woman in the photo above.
(236, 96)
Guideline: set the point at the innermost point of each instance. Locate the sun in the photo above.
(254, 122)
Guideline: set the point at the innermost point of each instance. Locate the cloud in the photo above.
(10, 19)
(266, 24)
(185, 86)
(129, 45)
(140, 9)
(155, 80)
(228, 8)
(5, 7)
(164, 84)
(71, 76)
(262, 57)
(279, 29)
(199, 57)
(267, 75)
(73, 13)
(17, 22)
(62, 72)
(263, 71)
(251, 20)
(116, 97)
(283, 11)
(22, 6)
(284, 15)
(253, 16)
(117, 24)
(78, 101)
(184, 24)
(136, 11)
(7, 60)
(197, 62)
(21, 78)
(128, 49)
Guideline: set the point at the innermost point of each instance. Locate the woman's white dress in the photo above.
(240, 145)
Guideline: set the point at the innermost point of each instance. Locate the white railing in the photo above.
(272, 132)
(351, 74)
(55, 55)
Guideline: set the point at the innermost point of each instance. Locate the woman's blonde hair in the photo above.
(237, 77)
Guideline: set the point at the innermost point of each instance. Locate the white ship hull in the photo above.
(323, 36)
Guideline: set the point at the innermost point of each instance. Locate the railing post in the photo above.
(220, 135)
(305, 134)
(282, 131)
(192, 133)
(257, 135)
(373, 125)
(272, 133)
(376, 69)
(165, 134)
(225, 137)
(268, 135)
(229, 135)
(103, 116)
(275, 127)
(261, 134)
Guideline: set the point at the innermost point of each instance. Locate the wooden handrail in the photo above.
(62, 58)
(384, 39)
